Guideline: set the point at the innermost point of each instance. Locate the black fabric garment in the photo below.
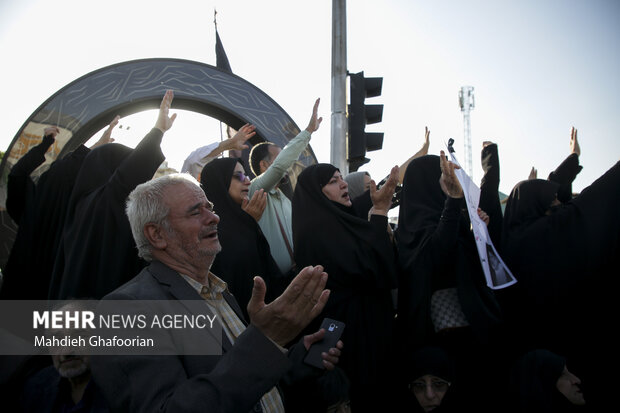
(362, 204)
(245, 250)
(360, 261)
(565, 259)
(436, 250)
(29, 267)
(564, 175)
(98, 252)
(533, 384)
(47, 392)
(528, 201)
(20, 186)
(318, 395)
(16, 369)
(489, 193)
(286, 186)
(536, 247)
(430, 360)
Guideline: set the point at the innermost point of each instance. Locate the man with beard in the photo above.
(65, 386)
(175, 228)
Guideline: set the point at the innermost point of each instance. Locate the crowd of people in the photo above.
(271, 258)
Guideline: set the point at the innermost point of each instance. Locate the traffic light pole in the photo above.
(338, 154)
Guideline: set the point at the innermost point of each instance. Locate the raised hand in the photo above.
(423, 151)
(382, 198)
(107, 135)
(51, 130)
(574, 143)
(255, 206)
(238, 141)
(286, 316)
(533, 173)
(315, 121)
(164, 122)
(427, 142)
(450, 184)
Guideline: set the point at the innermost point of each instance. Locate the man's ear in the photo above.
(154, 233)
(264, 165)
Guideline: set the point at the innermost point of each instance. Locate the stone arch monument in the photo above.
(87, 104)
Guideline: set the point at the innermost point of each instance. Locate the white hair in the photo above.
(146, 205)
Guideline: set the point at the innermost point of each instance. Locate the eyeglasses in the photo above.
(240, 176)
(439, 386)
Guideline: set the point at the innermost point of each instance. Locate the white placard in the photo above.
(496, 272)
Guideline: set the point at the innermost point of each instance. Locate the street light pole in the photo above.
(338, 154)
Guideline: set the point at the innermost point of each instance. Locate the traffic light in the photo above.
(359, 141)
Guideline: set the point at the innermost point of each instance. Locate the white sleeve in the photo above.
(197, 159)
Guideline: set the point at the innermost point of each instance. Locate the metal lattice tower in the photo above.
(466, 101)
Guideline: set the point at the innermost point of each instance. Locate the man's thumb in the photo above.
(257, 301)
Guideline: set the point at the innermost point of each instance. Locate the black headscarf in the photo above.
(245, 250)
(360, 261)
(437, 250)
(533, 382)
(436, 362)
(430, 360)
(528, 201)
(330, 234)
(98, 252)
(424, 199)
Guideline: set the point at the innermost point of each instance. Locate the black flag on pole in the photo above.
(221, 60)
(222, 63)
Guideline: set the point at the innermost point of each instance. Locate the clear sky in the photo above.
(538, 67)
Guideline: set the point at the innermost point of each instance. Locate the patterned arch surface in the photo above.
(87, 104)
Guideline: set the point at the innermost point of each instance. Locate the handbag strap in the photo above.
(286, 241)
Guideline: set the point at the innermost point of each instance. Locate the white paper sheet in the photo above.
(495, 270)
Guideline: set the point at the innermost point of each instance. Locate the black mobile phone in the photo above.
(333, 331)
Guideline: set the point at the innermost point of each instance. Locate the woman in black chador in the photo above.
(359, 258)
(97, 252)
(540, 382)
(565, 256)
(245, 250)
(443, 299)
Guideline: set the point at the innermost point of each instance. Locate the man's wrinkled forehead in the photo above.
(184, 196)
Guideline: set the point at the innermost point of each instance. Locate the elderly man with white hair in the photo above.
(175, 228)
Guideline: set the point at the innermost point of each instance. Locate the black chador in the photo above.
(98, 252)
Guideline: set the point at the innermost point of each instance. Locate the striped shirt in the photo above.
(271, 402)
